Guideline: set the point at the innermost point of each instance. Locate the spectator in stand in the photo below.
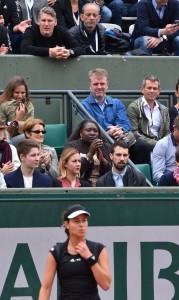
(10, 19)
(5, 46)
(121, 175)
(27, 175)
(31, 9)
(16, 107)
(148, 117)
(9, 160)
(70, 11)
(155, 30)
(163, 156)
(48, 39)
(89, 33)
(94, 151)
(34, 129)
(174, 110)
(171, 178)
(69, 168)
(110, 113)
(121, 8)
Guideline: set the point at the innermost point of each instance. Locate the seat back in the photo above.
(146, 170)
(56, 136)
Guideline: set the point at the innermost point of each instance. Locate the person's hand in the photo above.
(3, 49)
(59, 52)
(169, 29)
(45, 159)
(101, 158)
(82, 249)
(1, 20)
(7, 167)
(153, 42)
(51, 2)
(22, 26)
(20, 111)
(115, 132)
(95, 144)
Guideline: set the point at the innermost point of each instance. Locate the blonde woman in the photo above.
(69, 168)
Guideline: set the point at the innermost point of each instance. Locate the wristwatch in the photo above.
(164, 37)
(71, 52)
(13, 123)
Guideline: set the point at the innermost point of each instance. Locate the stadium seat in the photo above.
(56, 136)
(146, 170)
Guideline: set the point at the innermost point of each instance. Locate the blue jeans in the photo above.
(172, 45)
(120, 9)
(106, 14)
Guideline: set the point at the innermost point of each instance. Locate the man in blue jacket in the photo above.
(27, 176)
(110, 113)
(157, 29)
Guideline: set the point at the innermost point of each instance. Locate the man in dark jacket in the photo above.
(10, 19)
(156, 29)
(121, 175)
(48, 39)
(4, 40)
(89, 33)
(27, 175)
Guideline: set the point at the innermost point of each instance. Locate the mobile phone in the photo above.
(177, 22)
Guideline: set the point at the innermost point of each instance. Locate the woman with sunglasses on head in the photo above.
(69, 168)
(81, 265)
(16, 107)
(94, 151)
(34, 129)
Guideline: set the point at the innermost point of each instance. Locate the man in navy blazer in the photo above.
(27, 176)
(156, 29)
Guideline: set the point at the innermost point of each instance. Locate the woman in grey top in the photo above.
(35, 129)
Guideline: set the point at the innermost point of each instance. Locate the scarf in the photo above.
(6, 153)
(176, 174)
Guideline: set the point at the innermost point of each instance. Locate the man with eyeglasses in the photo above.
(89, 33)
(149, 118)
(27, 175)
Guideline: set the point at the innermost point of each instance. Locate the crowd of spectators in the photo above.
(71, 26)
(141, 133)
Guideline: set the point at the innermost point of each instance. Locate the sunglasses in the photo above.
(39, 131)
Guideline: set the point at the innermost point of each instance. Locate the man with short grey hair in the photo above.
(89, 33)
(149, 118)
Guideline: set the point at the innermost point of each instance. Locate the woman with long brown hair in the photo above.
(15, 105)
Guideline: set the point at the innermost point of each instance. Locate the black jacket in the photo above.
(80, 36)
(8, 9)
(65, 17)
(4, 37)
(35, 44)
(131, 178)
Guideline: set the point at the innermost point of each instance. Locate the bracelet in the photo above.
(91, 261)
(90, 161)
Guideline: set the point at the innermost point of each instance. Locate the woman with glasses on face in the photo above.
(34, 129)
(69, 168)
(16, 107)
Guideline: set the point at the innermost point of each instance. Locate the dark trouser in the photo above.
(140, 152)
